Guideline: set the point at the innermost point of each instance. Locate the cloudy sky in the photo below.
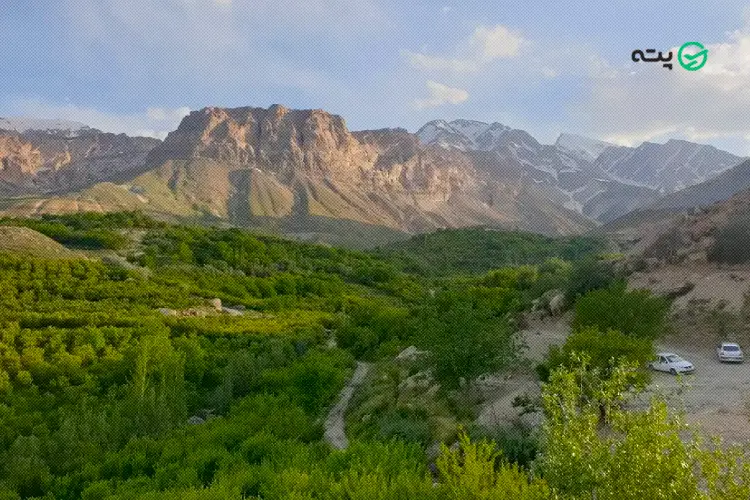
(138, 66)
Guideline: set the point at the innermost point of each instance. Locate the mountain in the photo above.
(43, 161)
(303, 169)
(596, 178)
(25, 124)
(302, 172)
(695, 211)
(719, 188)
(686, 201)
(585, 147)
(567, 172)
(667, 167)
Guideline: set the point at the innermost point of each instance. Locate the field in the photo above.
(196, 362)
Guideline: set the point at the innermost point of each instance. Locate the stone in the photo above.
(409, 354)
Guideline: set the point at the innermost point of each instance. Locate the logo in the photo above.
(692, 56)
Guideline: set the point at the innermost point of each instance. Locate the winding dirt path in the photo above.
(334, 425)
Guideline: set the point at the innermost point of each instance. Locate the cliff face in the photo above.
(248, 163)
(298, 170)
(19, 161)
(41, 162)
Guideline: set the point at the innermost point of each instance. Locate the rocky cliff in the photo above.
(253, 166)
(39, 162)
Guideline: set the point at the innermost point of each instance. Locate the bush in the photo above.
(604, 350)
(587, 275)
(732, 244)
(637, 313)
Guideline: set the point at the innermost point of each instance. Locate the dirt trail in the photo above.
(716, 398)
(501, 391)
(334, 425)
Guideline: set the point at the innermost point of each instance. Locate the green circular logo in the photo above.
(692, 56)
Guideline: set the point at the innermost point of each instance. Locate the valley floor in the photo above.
(716, 399)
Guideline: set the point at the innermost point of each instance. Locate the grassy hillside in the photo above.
(25, 241)
(478, 250)
(130, 381)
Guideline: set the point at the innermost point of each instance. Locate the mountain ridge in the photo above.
(253, 165)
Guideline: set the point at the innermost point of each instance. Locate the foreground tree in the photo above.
(464, 338)
(638, 454)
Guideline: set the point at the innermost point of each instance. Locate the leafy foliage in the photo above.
(640, 454)
(732, 242)
(478, 250)
(587, 275)
(465, 338)
(635, 312)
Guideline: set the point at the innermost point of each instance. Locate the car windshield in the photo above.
(674, 358)
(731, 348)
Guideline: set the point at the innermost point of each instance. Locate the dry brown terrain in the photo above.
(713, 284)
(715, 399)
(502, 390)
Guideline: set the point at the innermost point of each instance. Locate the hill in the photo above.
(478, 250)
(25, 241)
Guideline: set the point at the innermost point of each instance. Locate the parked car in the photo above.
(671, 363)
(729, 351)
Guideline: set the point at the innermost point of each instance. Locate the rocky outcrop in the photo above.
(38, 162)
(246, 164)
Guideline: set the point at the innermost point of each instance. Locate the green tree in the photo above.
(464, 340)
(636, 312)
(604, 350)
(638, 454)
(478, 471)
(587, 275)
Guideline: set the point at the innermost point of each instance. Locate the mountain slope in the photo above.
(567, 171)
(254, 166)
(598, 179)
(665, 167)
(39, 162)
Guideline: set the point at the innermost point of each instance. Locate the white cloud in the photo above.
(153, 122)
(441, 94)
(162, 114)
(485, 45)
(437, 63)
(495, 43)
(640, 102)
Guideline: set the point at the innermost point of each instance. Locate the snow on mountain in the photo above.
(585, 146)
(25, 124)
(585, 170)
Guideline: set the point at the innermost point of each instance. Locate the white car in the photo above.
(729, 351)
(671, 363)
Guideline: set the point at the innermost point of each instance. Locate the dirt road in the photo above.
(501, 391)
(714, 397)
(335, 432)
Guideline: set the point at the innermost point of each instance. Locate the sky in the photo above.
(139, 66)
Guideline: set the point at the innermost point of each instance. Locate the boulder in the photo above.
(409, 354)
(556, 304)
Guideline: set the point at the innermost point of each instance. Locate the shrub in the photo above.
(587, 275)
(732, 243)
(637, 313)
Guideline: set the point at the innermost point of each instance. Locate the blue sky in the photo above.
(545, 66)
